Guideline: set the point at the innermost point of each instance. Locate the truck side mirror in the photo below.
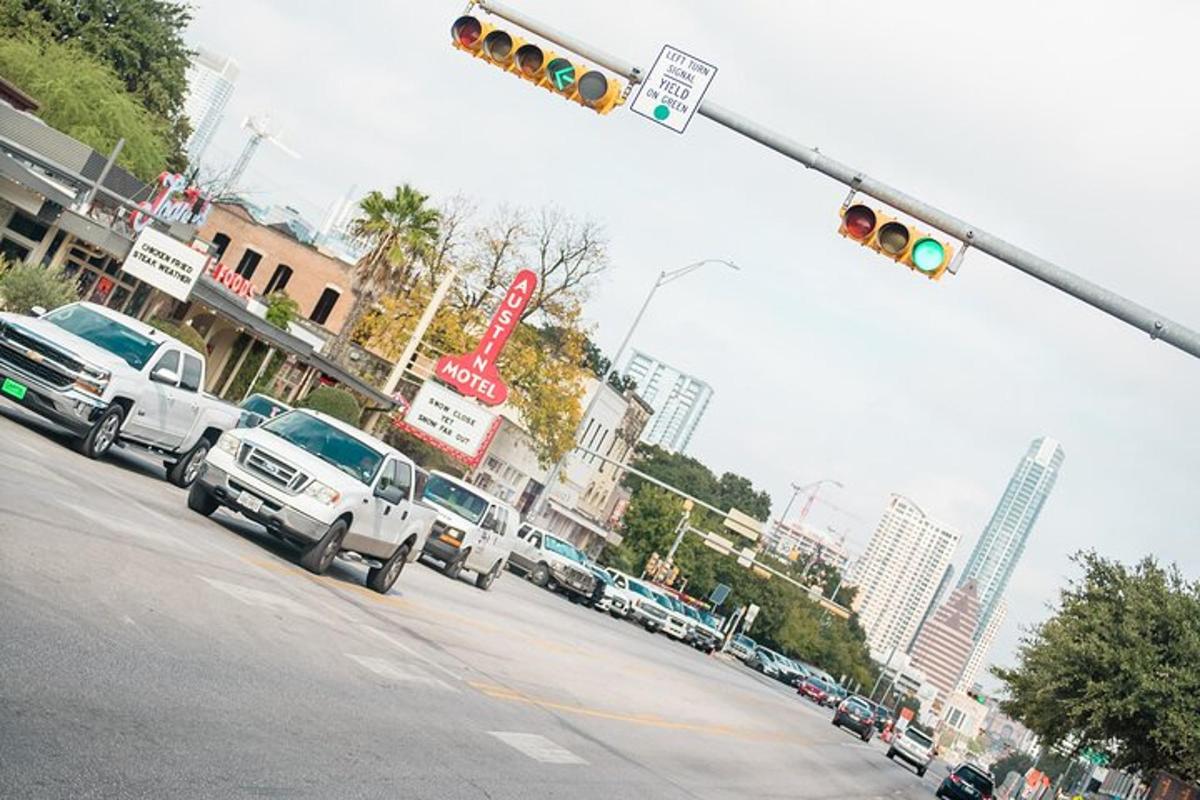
(37, 311)
(165, 375)
(391, 493)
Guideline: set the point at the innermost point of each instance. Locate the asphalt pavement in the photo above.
(149, 652)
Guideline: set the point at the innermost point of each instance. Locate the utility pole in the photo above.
(1156, 325)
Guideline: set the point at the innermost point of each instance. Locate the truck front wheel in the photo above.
(317, 557)
(540, 575)
(103, 435)
(200, 501)
(486, 580)
(382, 579)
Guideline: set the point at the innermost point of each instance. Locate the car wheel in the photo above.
(200, 501)
(103, 435)
(454, 568)
(486, 580)
(866, 737)
(185, 471)
(540, 575)
(891, 753)
(921, 772)
(835, 723)
(382, 579)
(317, 557)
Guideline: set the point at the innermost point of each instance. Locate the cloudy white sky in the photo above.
(1067, 127)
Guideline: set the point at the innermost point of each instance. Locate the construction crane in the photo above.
(260, 131)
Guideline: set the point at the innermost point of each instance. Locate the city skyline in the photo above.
(210, 79)
(899, 574)
(679, 400)
(943, 647)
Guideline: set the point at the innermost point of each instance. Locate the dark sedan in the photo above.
(967, 782)
(856, 714)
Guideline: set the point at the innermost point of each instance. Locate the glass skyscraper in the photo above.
(1003, 540)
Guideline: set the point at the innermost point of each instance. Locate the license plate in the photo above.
(13, 389)
(249, 502)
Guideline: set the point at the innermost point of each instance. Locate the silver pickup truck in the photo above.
(112, 380)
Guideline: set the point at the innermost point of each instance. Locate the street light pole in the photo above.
(664, 277)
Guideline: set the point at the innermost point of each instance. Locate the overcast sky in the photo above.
(1068, 128)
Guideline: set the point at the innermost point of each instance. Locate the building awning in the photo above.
(209, 293)
(612, 537)
(22, 175)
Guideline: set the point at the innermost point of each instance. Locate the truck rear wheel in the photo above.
(185, 471)
(317, 557)
(382, 579)
(200, 501)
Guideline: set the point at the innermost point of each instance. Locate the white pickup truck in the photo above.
(326, 486)
(111, 379)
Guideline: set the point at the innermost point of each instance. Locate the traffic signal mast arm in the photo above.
(1124, 309)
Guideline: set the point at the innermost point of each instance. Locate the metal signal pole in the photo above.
(1156, 325)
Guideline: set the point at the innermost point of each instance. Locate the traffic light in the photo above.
(590, 88)
(897, 240)
(652, 566)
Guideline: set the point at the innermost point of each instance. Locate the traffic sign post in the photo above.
(672, 91)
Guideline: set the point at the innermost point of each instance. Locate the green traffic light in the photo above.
(928, 255)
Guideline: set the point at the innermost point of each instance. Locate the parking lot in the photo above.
(151, 652)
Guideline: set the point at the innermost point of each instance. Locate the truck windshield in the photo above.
(122, 341)
(327, 443)
(556, 545)
(456, 498)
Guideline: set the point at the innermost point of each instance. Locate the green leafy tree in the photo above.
(1016, 761)
(335, 402)
(691, 476)
(1116, 665)
(139, 41)
(24, 286)
(401, 230)
(281, 310)
(83, 98)
(184, 333)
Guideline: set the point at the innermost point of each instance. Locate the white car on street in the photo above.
(913, 746)
(323, 485)
(112, 380)
(473, 530)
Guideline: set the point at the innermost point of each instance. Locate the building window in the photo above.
(13, 251)
(27, 226)
(249, 263)
(325, 304)
(221, 242)
(279, 281)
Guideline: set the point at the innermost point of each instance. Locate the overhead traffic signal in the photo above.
(897, 240)
(573, 80)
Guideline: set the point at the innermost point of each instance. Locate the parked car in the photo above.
(814, 689)
(677, 625)
(771, 664)
(797, 672)
(837, 693)
(967, 782)
(645, 608)
(622, 598)
(913, 746)
(883, 715)
(258, 408)
(472, 530)
(323, 485)
(704, 635)
(552, 563)
(743, 647)
(112, 380)
(857, 714)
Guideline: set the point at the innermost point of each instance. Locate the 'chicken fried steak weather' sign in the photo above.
(474, 374)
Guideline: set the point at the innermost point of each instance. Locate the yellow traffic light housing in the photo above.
(897, 240)
(588, 87)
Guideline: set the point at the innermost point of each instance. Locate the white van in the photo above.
(473, 530)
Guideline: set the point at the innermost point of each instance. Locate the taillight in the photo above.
(954, 778)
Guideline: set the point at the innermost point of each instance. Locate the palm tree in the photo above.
(400, 231)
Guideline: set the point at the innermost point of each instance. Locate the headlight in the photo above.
(322, 493)
(93, 380)
(228, 443)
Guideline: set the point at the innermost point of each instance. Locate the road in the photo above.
(148, 652)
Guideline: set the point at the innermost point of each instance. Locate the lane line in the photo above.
(395, 671)
(260, 599)
(539, 748)
(150, 535)
(415, 654)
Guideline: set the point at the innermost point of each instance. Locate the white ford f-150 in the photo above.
(112, 380)
(323, 485)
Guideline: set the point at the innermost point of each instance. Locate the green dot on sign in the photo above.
(661, 112)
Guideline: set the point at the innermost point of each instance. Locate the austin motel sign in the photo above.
(474, 374)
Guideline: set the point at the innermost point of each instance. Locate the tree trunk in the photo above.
(340, 344)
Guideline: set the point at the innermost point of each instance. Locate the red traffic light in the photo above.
(466, 32)
(858, 222)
